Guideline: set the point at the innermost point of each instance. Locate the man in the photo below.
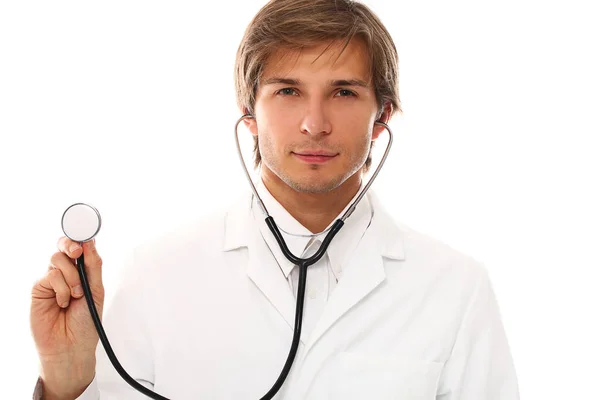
(208, 311)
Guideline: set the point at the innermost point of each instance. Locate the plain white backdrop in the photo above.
(129, 106)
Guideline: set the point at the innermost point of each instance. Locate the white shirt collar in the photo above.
(340, 247)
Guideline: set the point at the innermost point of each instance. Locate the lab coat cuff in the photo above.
(90, 393)
(38, 392)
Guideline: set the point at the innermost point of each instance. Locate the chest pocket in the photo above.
(382, 377)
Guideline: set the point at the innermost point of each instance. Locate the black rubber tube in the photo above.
(107, 347)
(302, 263)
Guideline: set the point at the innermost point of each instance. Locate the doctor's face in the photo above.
(315, 116)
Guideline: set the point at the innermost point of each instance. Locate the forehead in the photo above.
(321, 59)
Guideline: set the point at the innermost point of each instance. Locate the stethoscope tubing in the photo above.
(104, 339)
(302, 263)
(350, 209)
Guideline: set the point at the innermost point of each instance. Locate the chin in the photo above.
(308, 185)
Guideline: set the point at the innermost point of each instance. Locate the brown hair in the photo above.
(295, 24)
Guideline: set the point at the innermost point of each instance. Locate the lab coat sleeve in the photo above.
(480, 365)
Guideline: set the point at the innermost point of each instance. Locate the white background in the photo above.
(130, 106)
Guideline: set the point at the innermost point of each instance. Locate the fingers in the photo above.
(60, 287)
(59, 261)
(69, 247)
(92, 261)
(62, 280)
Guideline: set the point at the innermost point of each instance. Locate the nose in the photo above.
(316, 120)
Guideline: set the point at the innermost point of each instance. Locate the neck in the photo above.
(315, 211)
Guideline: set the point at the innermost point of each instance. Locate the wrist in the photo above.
(66, 379)
(51, 393)
(59, 391)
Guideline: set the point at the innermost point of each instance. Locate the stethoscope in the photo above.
(81, 223)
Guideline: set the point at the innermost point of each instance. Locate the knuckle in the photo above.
(39, 284)
(57, 259)
(98, 293)
(62, 242)
(54, 273)
(93, 250)
(54, 259)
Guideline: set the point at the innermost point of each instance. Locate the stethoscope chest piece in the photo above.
(81, 222)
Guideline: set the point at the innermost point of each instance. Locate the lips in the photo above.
(315, 156)
(321, 153)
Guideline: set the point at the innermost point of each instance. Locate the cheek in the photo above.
(276, 111)
(359, 134)
(271, 123)
(270, 144)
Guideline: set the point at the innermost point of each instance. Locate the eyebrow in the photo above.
(296, 82)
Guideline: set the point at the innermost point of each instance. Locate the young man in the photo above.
(208, 311)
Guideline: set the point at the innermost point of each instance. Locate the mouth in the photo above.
(315, 156)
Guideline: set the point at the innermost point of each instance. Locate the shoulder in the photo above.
(438, 256)
(200, 237)
(433, 271)
(426, 255)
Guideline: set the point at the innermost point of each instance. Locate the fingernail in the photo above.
(78, 290)
(65, 304)
(74, 247)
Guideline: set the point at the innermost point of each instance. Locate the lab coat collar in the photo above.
(286, 223)
(239, 227)
(363, 272)
(337, 252)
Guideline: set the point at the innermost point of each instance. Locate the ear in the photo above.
(384, 117)
(250, 122)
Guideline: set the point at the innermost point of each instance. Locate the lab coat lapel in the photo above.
(242, 231)
(362, 274)
(364, 271)
(266, 274)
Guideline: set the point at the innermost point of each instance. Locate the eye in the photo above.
(287, 92)
(346, 93)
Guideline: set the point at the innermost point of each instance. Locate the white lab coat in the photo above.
(205, 313)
